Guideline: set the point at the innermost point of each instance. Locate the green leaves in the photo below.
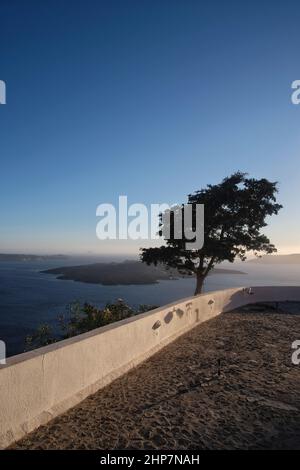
(82, 318)
(235, 212)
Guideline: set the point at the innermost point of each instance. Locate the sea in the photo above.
(29, 298)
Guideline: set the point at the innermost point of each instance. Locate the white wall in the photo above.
(39, 385)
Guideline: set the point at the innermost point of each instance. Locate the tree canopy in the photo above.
(235, 212)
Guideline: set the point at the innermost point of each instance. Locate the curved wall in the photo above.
(39, 385)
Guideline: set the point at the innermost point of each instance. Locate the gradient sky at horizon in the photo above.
(151, 99)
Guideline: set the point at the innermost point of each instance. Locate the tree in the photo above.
(235, 212)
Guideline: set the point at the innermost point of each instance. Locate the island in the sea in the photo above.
(125, 273)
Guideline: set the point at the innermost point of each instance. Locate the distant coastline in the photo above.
(24, 257)
(277, 259)
(125, 273)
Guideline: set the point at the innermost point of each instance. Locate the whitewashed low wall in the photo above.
(39, 385)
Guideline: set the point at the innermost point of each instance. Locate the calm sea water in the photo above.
(29, 298)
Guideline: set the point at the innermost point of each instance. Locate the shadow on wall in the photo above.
(180, 313)
(213, 304)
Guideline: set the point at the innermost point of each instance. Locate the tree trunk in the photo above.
(199, 286)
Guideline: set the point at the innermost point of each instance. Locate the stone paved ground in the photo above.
(227, 384)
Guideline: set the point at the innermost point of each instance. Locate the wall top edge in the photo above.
(98, 331)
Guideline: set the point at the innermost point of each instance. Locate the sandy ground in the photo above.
(227, 384)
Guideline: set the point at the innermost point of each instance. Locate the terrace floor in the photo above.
(227, 384)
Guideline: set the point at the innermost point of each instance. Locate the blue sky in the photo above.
(151, 99)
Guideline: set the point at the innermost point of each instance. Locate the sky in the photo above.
(149, 99)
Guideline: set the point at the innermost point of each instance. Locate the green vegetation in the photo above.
(80, 319)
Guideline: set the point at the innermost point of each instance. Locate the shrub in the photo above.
(80, 319)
